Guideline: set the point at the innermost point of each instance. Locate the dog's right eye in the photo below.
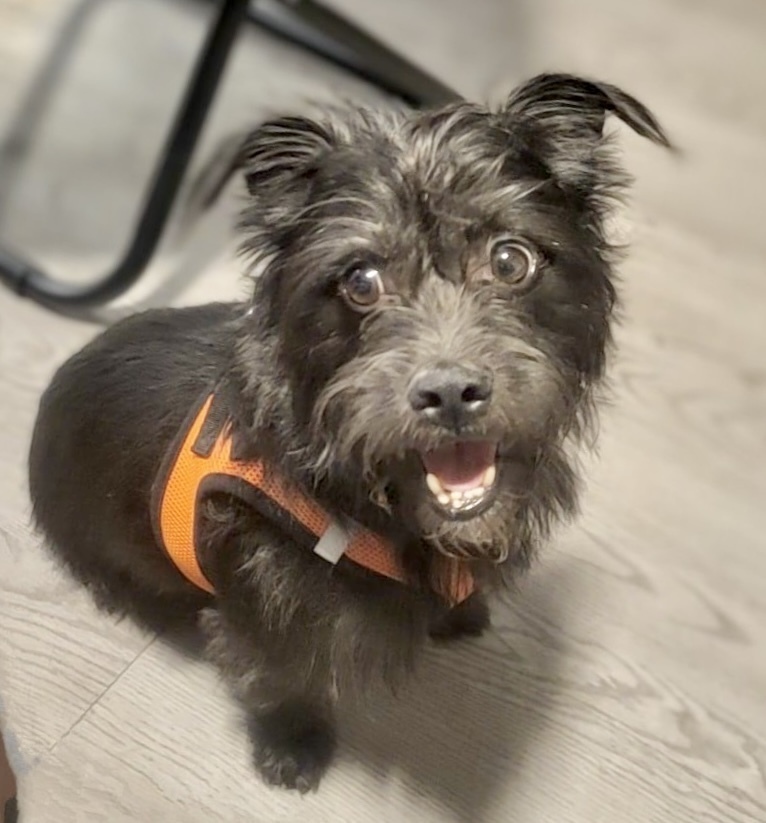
(514, 262)
(362, 288)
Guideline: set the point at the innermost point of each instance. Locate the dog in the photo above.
(350, 463)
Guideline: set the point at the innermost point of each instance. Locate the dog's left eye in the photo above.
(362, 288)
(514, 262)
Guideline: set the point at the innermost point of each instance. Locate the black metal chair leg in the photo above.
(322, 31)
(29, 281)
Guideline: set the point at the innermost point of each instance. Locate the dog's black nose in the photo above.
(451, 395)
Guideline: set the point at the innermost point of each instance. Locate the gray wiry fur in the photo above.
(321, 393)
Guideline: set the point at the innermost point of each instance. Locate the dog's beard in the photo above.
(483, 492)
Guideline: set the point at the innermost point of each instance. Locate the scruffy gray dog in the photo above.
(351, 462)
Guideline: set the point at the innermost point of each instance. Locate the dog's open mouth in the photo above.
(461, 476)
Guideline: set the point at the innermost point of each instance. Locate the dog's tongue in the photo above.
(460, 466)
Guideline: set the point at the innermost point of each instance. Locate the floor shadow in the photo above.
(465, 727)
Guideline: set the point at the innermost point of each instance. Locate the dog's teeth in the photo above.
(434, 484)
(456, 498)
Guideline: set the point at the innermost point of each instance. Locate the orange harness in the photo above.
(205, 455)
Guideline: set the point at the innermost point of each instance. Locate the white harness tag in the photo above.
(333, 543)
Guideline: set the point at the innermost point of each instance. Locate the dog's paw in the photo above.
(469, 619)
(292, 754)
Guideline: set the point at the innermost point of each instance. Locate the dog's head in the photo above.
(438, 289)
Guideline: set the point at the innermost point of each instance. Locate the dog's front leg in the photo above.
(293, 736)
(289, 706)
(468, 619)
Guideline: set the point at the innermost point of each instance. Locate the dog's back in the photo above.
(103, 427)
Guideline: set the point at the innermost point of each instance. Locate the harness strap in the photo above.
(205, 453)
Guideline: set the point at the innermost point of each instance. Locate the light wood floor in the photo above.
(627, 679)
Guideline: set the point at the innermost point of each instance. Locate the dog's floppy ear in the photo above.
(283, 152)
(276, 158)
(567, 115)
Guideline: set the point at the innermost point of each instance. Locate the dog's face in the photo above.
(440, 290)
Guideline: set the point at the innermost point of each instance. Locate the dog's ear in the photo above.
(566, 115)
(283, 153)
(277, 159)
